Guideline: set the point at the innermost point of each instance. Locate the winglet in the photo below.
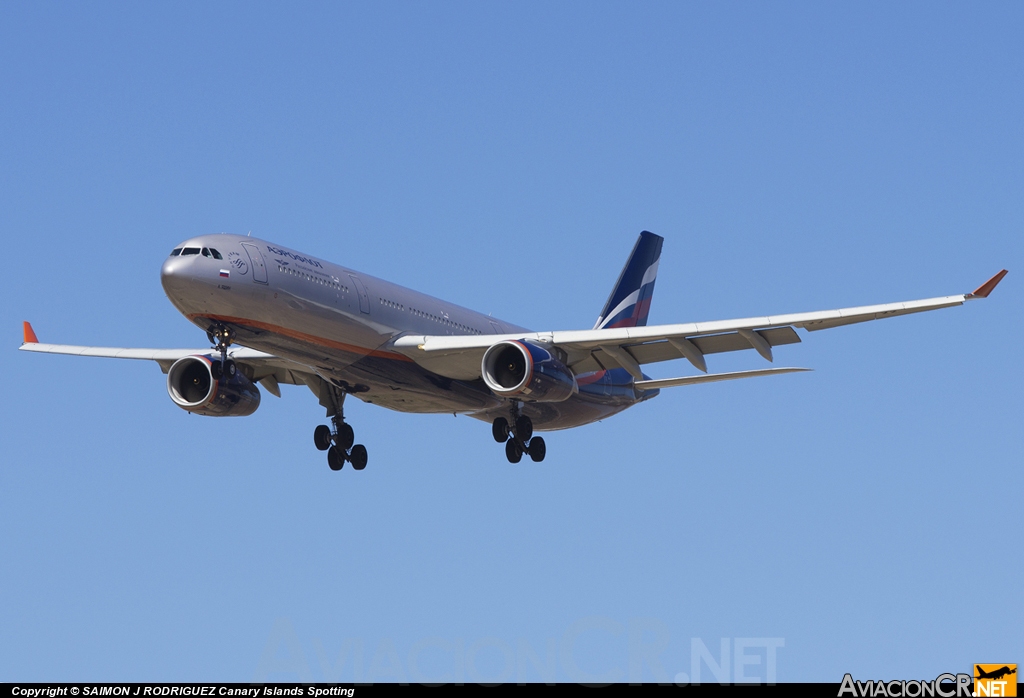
(30, 334)
(987, 287)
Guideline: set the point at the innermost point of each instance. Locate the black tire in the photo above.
(358, 456)
(499, 430)
(335, 458)
(524, 428)
(215, 370)
(322, 437)
(512, 451)
(345, 437)
(230, 369)
(538, 449)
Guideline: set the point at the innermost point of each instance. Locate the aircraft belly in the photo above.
(405, 386)
(388, 380)
(552, 416)
(397, 383)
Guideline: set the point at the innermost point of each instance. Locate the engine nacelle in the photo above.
(192, 387)
(528, 371)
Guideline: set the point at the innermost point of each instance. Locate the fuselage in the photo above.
(341, 323)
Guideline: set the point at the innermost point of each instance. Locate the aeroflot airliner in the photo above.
(301, 320)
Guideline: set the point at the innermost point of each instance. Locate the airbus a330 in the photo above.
(275, 315)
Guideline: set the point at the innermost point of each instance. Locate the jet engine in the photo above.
(528, 371)
(193, 388)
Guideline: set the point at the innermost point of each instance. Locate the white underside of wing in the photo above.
(459, 356)
(264, 364)
(113, 352)
(239, 354)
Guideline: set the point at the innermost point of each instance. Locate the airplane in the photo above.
(278, 316)
(996, 674)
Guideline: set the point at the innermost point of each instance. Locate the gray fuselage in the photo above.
(341, 323)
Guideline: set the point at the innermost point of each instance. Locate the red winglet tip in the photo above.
(987, 287)
(30, 334)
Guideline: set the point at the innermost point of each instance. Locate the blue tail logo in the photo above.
(630, 302)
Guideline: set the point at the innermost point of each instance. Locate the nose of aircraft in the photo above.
(174, 275)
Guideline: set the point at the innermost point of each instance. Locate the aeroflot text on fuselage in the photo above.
(296, 257)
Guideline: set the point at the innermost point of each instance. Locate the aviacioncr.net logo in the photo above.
(943, 686)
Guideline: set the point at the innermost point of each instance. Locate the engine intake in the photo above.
(528, 371)
(192, 387)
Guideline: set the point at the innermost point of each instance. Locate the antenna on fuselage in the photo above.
(249, 235)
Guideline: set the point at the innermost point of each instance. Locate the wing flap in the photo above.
(719, 343)
(665, 350)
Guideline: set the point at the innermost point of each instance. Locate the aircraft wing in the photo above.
(267, 369)
(630, 347)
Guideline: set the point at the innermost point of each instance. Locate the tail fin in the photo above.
(630, 302)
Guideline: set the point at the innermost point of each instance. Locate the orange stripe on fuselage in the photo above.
(302, 336)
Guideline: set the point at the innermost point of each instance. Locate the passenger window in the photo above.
(189, 250)
(215, 253)
(176, 251)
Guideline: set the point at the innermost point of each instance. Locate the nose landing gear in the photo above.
(518, 437)
(338, 441)
(222, 337)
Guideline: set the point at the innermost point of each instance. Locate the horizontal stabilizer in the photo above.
(712, 378)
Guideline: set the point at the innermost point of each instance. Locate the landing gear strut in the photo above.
(222, 337)
(518, 437)
(338, 439)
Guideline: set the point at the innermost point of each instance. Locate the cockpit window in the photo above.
(206, 252)
(216, 254)
(189, 250)
(176, 251)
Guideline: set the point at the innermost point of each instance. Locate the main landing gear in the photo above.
(221, 338)
(339, 438)
(518, 437)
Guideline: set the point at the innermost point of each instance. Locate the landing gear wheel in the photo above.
(499, 429)
(358, 456)
(513, 451)
(322, 437)
(345, 436)
(222, 337)
(524, 428)
(538, 449)
(335, 458)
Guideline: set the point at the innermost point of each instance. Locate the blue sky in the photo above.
(504, 156)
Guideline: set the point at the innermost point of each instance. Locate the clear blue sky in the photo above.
(504, 156)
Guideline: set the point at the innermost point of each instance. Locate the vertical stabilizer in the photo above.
(630, 302)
